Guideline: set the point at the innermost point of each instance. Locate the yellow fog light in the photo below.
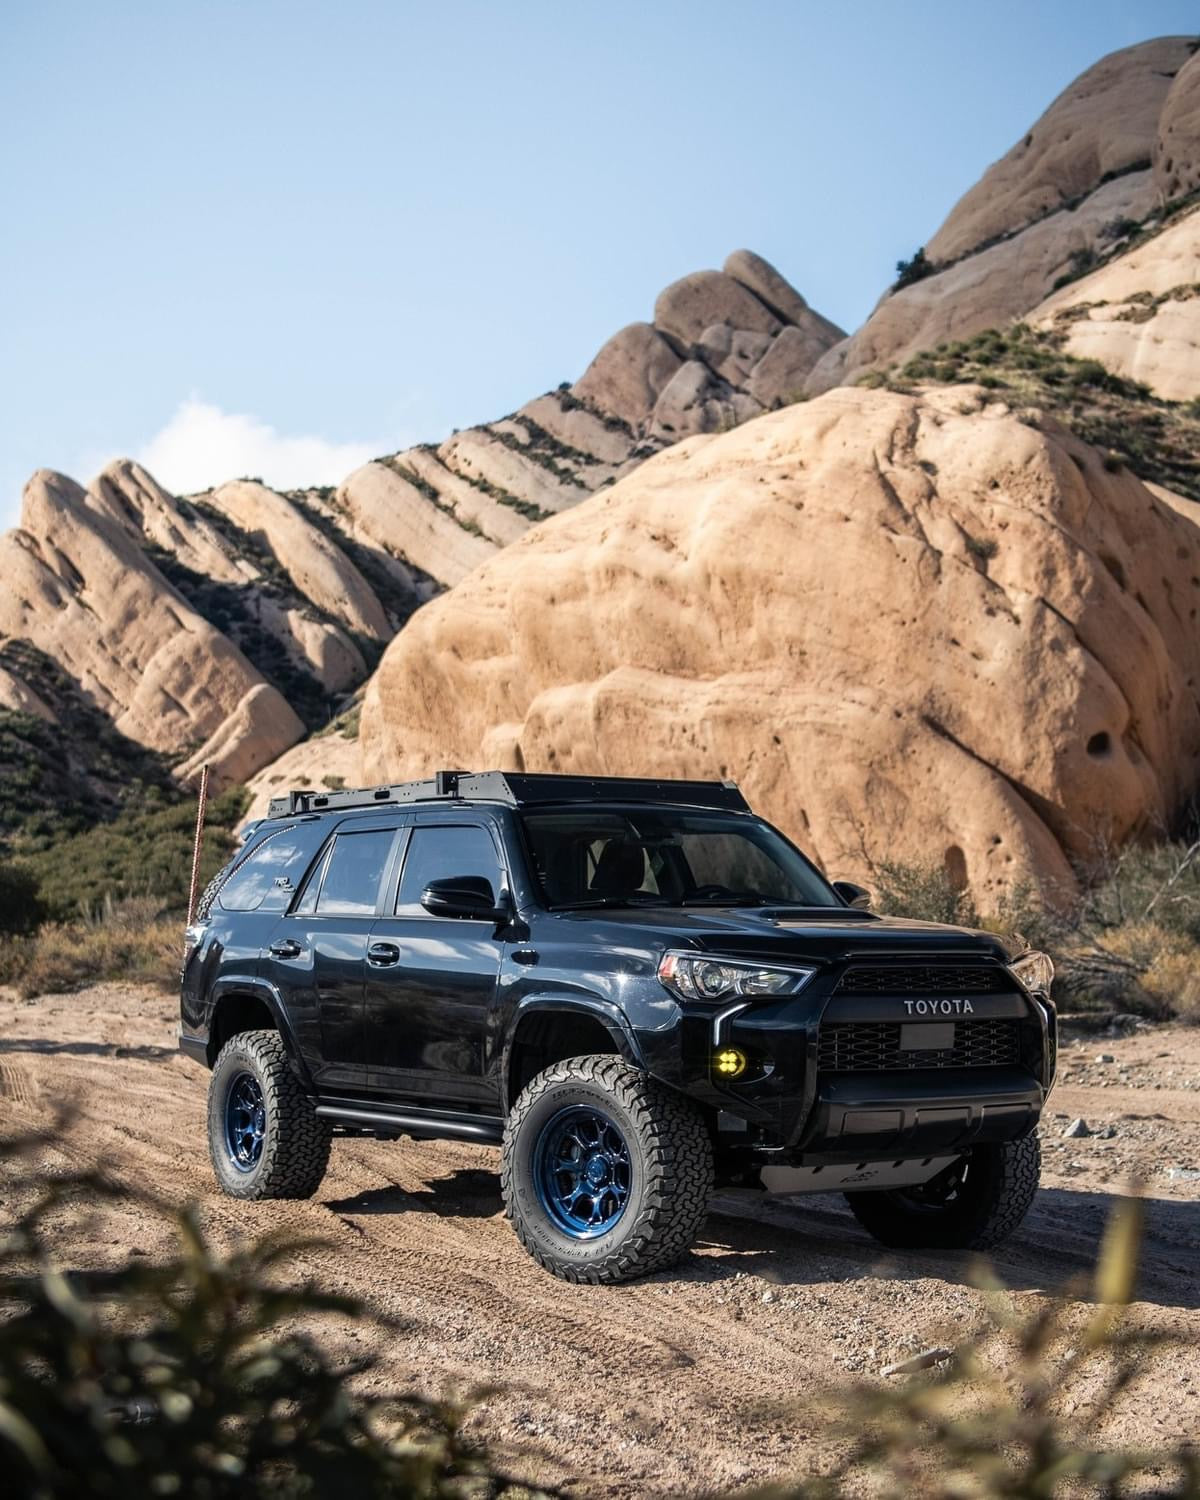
(730, 1062)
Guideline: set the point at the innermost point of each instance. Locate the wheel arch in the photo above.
(249, 1005)
(545, 1029)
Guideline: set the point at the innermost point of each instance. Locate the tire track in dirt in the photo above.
(683, 1374)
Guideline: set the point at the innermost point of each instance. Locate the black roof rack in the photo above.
(518, 789)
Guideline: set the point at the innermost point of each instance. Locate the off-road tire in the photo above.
(295, 1148)
(671, 1178)
(1000, 1184)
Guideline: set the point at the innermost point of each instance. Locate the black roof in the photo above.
(517, 789)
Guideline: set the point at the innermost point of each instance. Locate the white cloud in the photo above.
(203, 446)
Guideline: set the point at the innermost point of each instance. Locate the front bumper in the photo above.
(789, 1107)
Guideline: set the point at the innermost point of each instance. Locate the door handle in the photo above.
(382, 955)
(524, 956)
(286, 948)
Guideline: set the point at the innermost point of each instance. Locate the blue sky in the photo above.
(296, 234)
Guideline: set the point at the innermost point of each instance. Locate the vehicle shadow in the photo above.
(144, 1052)
(467, 1193)
(802, 1241)
(815, 1239)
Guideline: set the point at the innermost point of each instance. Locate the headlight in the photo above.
(1035, 971)
(696, 978)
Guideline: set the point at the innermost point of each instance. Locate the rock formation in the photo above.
(1042, 212)
(1139, 315)
(81, 589)
(724, 346)
(906, 623)
(1176, 155)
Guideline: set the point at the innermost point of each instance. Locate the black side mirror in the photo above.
(853, 895)
(463, 896)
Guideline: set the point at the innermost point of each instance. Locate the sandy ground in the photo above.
(673, 1385)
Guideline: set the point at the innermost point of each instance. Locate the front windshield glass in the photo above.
(667, 857)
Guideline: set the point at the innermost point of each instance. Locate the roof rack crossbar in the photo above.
(517, 789)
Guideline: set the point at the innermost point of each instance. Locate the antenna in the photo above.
(196, 847)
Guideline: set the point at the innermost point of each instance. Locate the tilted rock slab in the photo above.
(724, 346)
(1083, 168)
(909, 626)
(1176, 153)
(1139, 315)
(75, 583)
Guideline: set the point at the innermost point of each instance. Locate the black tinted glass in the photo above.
(438, 853)
(356, 865)
(272, 860)
(668, 857)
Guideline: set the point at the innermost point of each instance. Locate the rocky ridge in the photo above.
(220, 627)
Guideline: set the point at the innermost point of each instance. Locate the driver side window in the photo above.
(441, 852)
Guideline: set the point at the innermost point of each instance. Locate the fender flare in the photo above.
(233, 985)
(610, 1016)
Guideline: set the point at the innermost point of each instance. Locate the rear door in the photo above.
(317, 954)
(431, 980)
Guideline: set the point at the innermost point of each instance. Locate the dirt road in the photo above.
(669, 1385)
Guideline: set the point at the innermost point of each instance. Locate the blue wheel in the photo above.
(582, 1171)
(605, 1172)
(245, 1121)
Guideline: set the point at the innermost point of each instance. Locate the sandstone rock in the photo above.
(1139, 315)
(81, 589)
(761, 277)
(326, 762)
(780, 375)
(984, 290)
(259, 729)
(1103, 123)
(629, 373)
(17, 696)
(133, 498)
(903, 623)
(690, 305)
(696, 400)
(319, 569)
(1176, 154)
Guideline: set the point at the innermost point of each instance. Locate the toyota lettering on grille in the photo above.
(939, 1007)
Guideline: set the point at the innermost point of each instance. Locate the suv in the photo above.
(637, 989)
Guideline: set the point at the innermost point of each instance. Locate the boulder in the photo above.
(629, 373)
(690, 305)
(906, 624)
(260, 728)
(1176, 154)
(1102, 124)
(1139, 315)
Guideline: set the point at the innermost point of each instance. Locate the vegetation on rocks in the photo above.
(1157, 440)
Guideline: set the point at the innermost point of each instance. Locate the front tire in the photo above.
(606, 1174)
(264, 1138)
(974, 1204)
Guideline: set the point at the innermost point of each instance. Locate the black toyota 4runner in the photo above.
(636, 988)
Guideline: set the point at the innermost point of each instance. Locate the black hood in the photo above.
(818, 933)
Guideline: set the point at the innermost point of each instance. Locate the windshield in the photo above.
(667, 857)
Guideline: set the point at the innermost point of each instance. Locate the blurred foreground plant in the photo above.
(192, 1378)
(991, 1425)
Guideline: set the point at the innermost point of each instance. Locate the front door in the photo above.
(431, 980)
(318, 954)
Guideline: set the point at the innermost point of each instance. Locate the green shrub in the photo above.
(132, 939)
(914, 269)
(925, 892)
(21, 907)
(191, 1378)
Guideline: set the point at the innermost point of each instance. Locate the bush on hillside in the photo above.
(21, 907)
(132, 939)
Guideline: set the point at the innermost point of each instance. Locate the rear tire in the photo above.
(606, 1174)
(264, 1138)
(972, 1205)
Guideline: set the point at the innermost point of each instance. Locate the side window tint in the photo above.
(437, 853)
(356, 865)
(307, 903)
(259, 871)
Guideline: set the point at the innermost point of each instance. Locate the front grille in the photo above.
(874, 1047)
(923, 979)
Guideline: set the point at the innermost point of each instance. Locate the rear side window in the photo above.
(353, 870)
(437, 853)
(272, 864)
